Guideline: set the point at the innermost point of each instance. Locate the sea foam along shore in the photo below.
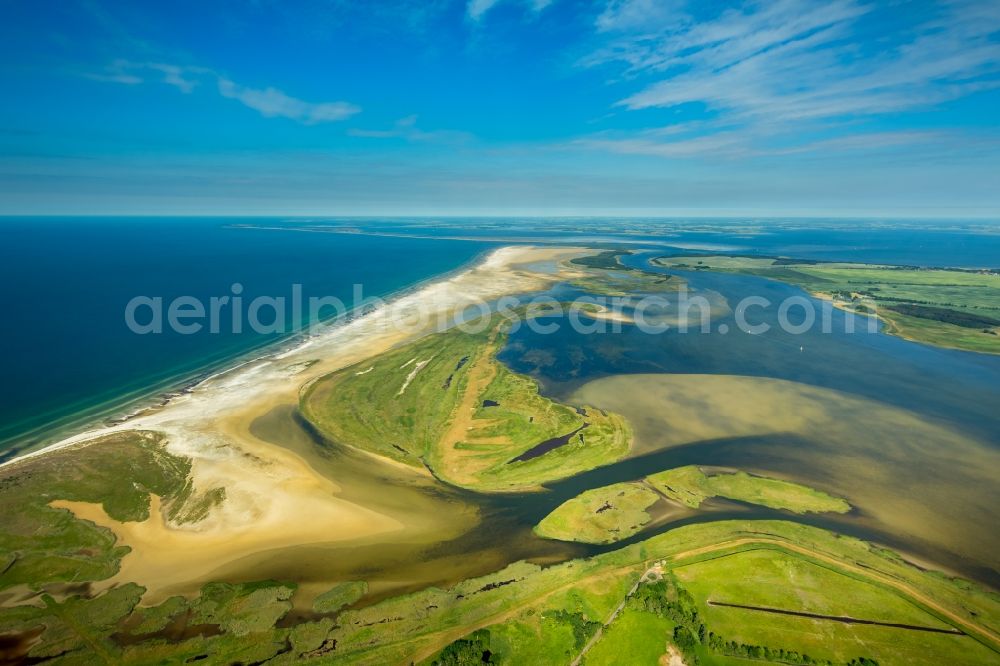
(273, 497)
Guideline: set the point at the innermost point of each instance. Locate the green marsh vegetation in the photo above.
(955, 308)
(446, 403)
(340, 595)
(601, 515)
(691, 486)
(42, 545)
(605, 275)
(616, 512)
(226, 623)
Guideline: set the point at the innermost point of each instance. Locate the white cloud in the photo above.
(406, 128)
(273, 103)
(128, 72)
(698, 140)
(643, 15)
(269, 102)
(177, 76)
(778, 68)
(476, 9)
(795, 59)
(728, 144)
(113, 77)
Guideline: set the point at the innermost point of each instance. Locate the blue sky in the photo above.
(331, 107)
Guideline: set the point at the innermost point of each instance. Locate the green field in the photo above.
(602, 515)
(761, 562)
(446, 403)
(638, 636)
(772, 580)
(616, 512)
(691, 486)
(946, 307)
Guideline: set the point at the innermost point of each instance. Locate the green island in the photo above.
(446, 404)
(616, 512)
(954, 308)
(690, 485)
(602, 515)
(605, 275)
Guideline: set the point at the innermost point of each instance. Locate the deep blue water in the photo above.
(67, 353)
(65, 283)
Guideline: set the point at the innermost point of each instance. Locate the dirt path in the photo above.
(672, 658)
(652, 571)
(455, 463)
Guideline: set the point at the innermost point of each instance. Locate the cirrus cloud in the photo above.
(270, 102)
(763, 74)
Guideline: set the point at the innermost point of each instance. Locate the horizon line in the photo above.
(995, 217)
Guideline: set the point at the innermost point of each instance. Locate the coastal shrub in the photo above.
(473, 650)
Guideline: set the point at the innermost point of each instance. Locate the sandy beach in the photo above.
(274, 498)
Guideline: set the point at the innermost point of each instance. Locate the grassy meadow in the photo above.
(775, 580)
